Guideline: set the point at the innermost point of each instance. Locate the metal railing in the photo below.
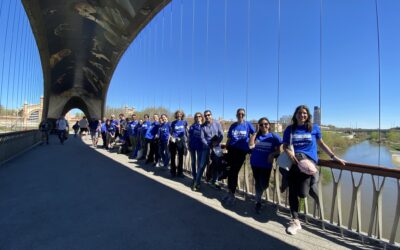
(362, 216)
(13, 143)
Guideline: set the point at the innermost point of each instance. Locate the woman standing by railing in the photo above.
(302, 180)
(265, 146)
(195, 145)
(238, 147)
(178, 143)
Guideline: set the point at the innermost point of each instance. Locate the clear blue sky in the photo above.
(158, 69)
(154, 72)
(21, 78)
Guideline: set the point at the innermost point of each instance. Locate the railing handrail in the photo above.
(357, 167)
(362, 168)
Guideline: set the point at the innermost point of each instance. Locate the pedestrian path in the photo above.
(73, 196)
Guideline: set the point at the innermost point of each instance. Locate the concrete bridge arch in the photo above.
(80, 44)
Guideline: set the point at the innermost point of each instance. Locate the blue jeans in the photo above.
(195, 155)
(61, 135)
(204, 158)
(164, 153)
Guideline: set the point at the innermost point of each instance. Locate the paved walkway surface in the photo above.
(73, 196)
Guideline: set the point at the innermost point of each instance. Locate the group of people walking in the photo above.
(163, 144)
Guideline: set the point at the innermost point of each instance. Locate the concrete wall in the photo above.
(12, 144)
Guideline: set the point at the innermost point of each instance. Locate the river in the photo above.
(365, 153)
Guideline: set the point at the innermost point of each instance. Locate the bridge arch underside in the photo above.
(80, 44)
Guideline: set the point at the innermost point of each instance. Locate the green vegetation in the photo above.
(326, 176)
(389, 138)
(336, 141)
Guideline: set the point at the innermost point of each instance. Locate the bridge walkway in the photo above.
(73, 196)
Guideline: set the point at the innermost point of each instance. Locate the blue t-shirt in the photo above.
(178, 128)
(103, 127)
(195, 137)
(132, 128)
(145, 127)
(304, 141)
(239, 135)
(264, 145)
(152, 131)
(115, 123)
(111, 129)
(164, 131)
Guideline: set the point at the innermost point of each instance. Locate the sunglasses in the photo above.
(263, 124)
(207, 115)
(241, 114)
(198, 116)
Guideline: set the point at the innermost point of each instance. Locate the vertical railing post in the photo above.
(337, 200)
(355, 203)
(376, 211)
(277, 192)
(320, 207)
(397, 215)
(245, 180)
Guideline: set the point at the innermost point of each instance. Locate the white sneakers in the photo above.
(294, 225)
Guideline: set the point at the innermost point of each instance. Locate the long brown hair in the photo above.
(308, 122)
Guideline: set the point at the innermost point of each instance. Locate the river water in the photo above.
(365, 153)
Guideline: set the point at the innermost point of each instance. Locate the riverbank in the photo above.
(395, 157)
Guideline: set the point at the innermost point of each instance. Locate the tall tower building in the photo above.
(317, 115)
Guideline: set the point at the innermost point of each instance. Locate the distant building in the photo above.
(127, 111)
(317, 115)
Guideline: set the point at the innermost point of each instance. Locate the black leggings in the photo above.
(236, 159)
(173, 149)
(300, 185)
(154, 155)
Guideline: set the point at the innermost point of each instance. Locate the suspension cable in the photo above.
(379, 78)
(21, 63)
(181, 51)
(225, 57)
(320, 61)
(248, 55)
(4, 54)
(207, 40)
(193, 27)
(279, 60)
(15, 83)
(163, 26)
(170, 26)
(10, 59)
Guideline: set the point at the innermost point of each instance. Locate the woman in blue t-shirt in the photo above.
(110, 134)
(177, 142)
(238, 147)
(195, 145)
(305, 137)
(265, 146)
